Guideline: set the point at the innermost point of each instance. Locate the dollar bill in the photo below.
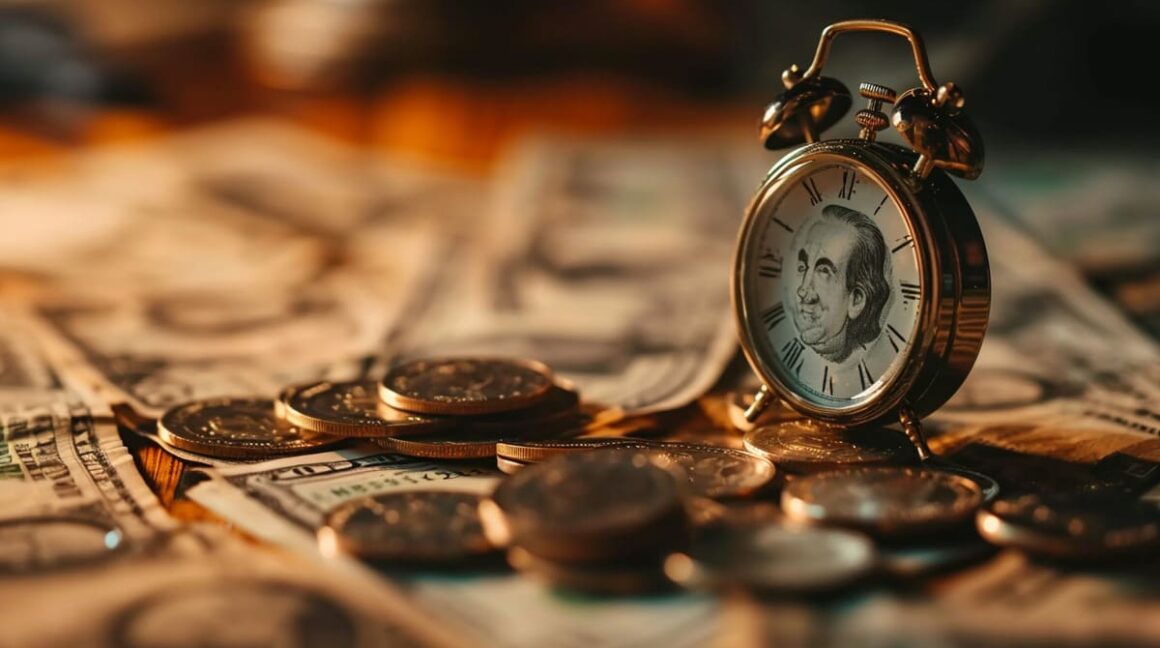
(1097, 212)
(59, 460)
(609, 261)
(1065, 395)
(229, 261)
(233, 594)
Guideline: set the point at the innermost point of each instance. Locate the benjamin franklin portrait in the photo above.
(839, 282)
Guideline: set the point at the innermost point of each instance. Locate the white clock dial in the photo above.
(832, 285)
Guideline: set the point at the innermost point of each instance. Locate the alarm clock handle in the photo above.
(921, 62)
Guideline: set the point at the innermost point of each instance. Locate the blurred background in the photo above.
(1059, 89)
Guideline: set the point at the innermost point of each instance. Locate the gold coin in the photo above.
(349, 409)
(592, 506)
(235, 428)
(805, 447)
(409, 527)
(533, 451)
(463, 443)
(464, 386)
(885, 501)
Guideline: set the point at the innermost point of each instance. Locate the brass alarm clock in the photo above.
(860, 282)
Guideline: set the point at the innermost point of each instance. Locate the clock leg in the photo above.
(761, 400)
(912, 427)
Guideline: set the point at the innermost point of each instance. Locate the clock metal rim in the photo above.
(879, 162)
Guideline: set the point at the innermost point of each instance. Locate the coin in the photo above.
(457, 443)
(917, 561)
(235, 428)
(410, 527)
(705, 512)
(349, 409)
(559, 408)
(508, 466)
(886, 501)
(1071, 529)
(773, 558)
(717, 472)
(712, 471)
(637, 577)
(460, 386)
(804, 446)
(590, 506)
(533, 451)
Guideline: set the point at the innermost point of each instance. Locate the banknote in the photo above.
(233, 260)
(1097, 212)
(1066, 391)
(609, 261)
(229, 593)
(70, 488)
(283, 502)
(296, 258)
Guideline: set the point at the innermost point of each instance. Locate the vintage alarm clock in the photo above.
(860, 281)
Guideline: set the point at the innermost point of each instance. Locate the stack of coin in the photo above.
(599, 521)
(457, 408)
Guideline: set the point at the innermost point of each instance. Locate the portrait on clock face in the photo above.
(839, 282)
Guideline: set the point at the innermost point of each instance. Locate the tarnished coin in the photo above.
(805, 447)
(463, 386)
(773, 558)
(590, 506)
(1071, 529)
(235, 428)
(885, 501)
(635, 577)
(712, 471)
(350, 409)
(410, 527)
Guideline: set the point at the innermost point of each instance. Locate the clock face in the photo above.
(832, 285)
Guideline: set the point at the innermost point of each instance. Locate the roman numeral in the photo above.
(769, 266)
(848, 180)
(811, 188)
(782, 223)
(827, 381)
(773, 316)
(892, 334)
(910, 291)
(906, 242)
(864, 375)
(879, 207)
(791, 352)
